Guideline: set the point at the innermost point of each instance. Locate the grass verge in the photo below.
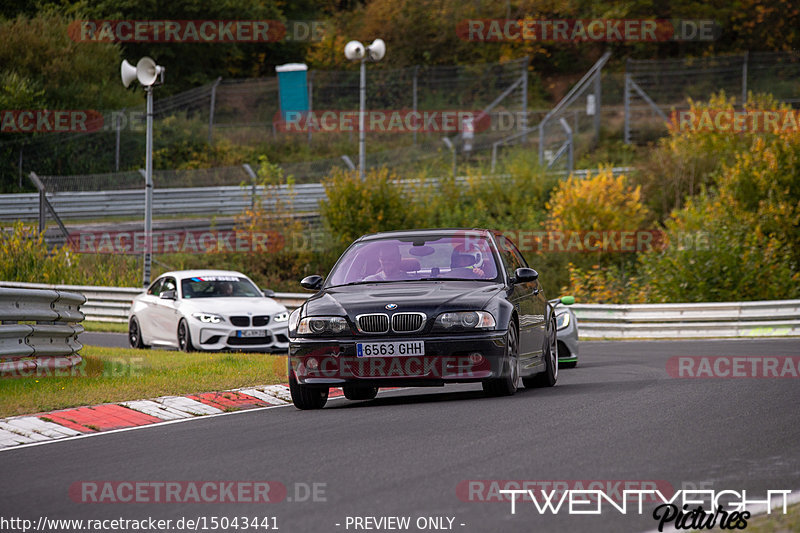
(105, 327)
(122, 374)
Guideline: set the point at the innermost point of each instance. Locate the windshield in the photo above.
(461, 257)
(219, 286)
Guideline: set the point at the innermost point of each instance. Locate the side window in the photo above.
(155, 288)
(511, 258)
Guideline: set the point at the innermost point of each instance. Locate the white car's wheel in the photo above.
(135, 334)
(185, 337)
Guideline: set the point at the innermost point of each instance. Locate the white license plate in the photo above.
(390, 349)
(251, 333)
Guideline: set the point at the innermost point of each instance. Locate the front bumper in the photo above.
(225, 337)
(568, 339)
(446, 359)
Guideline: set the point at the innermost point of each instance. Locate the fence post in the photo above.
(310, 104)
(414, 96)
(524, 117)
(117, 127)
(627, 104)
(744, 77)
(211, 109)
(598, 90)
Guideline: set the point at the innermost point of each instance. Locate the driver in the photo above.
(389, 259)
(226, 288)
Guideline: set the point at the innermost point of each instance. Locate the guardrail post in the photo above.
(254, 184)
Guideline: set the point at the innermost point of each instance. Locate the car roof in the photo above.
(200, 273)
(425, 232)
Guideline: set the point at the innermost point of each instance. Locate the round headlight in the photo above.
(338, 326)
(469, 320)
(317, 326)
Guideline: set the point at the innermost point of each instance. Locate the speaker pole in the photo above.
(148, 195)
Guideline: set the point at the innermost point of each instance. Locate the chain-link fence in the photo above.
(653, 89)
(633, 104)
(246, 112)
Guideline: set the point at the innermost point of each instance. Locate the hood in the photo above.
(232, 306)
(429, 297)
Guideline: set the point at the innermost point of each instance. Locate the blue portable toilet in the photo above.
(293, 88)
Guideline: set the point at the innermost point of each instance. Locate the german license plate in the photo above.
(251, 333)
(390, 349)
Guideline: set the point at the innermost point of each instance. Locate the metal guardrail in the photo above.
(775, 318)
(39, 329)
(227, 200)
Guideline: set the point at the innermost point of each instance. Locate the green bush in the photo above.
(24, 256)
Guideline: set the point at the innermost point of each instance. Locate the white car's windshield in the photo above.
(219, 286)
(459, 257)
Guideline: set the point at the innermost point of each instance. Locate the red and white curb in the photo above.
(42, 427)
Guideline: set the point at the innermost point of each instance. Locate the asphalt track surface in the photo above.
(617, 416)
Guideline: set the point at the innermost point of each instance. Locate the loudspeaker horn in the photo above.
(128, 73)
(147, 71)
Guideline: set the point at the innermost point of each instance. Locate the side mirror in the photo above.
(268, 293)
(567, 300)
(168, 295)
(312, 283)
(524, 275)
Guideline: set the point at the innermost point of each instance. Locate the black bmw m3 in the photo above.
(423, 308)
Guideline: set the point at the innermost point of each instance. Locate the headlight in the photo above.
(562, 320)
(208, 318)
(320, 325)
(281, 317)
(294, 318)
(465, 320)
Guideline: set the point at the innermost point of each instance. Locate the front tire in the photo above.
(549, 377)
(354, 392)
(508, 383)
(185, 337)
(135, 334)
(306, 398)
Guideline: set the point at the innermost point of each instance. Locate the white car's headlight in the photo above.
(208, 318)
(465, 320)
(320, 325)
(562, 320)
(281, 317)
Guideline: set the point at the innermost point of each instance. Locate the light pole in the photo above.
(355, 51)
(147, 72)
